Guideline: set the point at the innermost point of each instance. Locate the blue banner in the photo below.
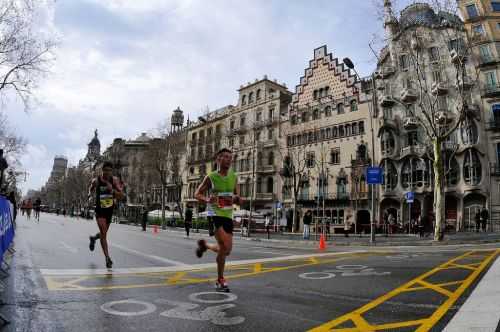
(374, 175)
(6, 226)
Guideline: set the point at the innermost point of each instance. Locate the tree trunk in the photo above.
(438, 191)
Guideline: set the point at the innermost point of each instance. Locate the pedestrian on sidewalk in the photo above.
(144, 221)
(477, 219)
(307, 220)
(224, 193)
(106, 189)
(484, 218)
(188, 220)
(267, 224)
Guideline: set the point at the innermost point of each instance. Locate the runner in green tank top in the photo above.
(223, 194)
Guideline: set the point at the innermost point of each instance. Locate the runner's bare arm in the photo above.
(237, 198)
(118, 188)
(92, 187)
(202, 189)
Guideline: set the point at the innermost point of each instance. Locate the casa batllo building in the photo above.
(405, 150)
(328, 129)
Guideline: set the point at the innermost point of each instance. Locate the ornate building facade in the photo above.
(405, 90)
(482, 22)
(326, 137)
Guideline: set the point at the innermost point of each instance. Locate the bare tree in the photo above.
(24, 54)
(294, 174)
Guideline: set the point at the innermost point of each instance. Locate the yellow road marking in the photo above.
(425, 324)
(187, 277)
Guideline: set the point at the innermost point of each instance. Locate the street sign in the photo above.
(410, 196)
(374, 175)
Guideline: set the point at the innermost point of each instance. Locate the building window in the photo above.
(250, 97)
(354, 128)
(335, 132)
(328, 111)
(347, 130)
(495, 6)
(242, 120)
(451, 170)
(485, 53)
(434, 54)
(456, 44)
(315, 94)
(258, 94)
(491, 79)
(270, 185)
(244, 100)
(472, 10)
(270, 114)
(388, 143)
(270, 133)
(258, 116)
(495, 109)
(293, 120)
(387, 113)
(404, 62)
(442, 103)
(390, 175)
(341, 131)
(354, 105)
(436, 76)
(315, 114)
(231, 141)
(472, 167)
(328, 133)
(270, 158)
(469, 132)
(242, 140)
(341, 187)
(340, 108)
(310, 159)
(477, 29)
(335, 156)
(361, 125)
(231, 124)
(257, 136)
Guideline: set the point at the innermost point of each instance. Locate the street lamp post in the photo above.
(350, 65)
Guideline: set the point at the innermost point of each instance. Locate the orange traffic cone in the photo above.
(322, 243)
(155, 229)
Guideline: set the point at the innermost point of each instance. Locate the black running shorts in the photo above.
(104, 213)
(225, 223)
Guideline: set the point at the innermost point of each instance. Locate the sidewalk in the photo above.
(358, 239)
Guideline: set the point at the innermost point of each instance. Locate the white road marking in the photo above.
(87, 272)
(148, 308)
(479, 312)
(157, 258)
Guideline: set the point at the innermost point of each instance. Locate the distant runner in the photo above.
(106, 188)
(29, 207)
(223, 193)
(38, 207)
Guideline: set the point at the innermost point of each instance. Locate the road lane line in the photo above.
(479, 312)
(153, 257)
(160, 269)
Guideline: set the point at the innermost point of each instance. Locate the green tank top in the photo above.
(223, 189)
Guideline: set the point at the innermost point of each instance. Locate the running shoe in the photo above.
(109, 263)
(92, 243)
(221, 285)
(202, 247)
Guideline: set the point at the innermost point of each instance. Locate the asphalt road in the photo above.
(157, 284)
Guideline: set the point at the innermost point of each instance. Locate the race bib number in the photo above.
(225, 200)
(106, 201)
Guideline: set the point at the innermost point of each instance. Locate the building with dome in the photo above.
(93, 155)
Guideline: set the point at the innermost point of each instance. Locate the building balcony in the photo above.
(477, 38)
(416, 149)
(495, 169)
(388, 71)
(386, 100)
(439, 88)
(266, 169)
(267, 143)
(408, 95)
(388, 122)
(264, 196)
(487, 60)
(410, 122)
(491, 90)
(313, 197)
(450, 145)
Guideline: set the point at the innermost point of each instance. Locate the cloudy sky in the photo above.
(123, 65)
